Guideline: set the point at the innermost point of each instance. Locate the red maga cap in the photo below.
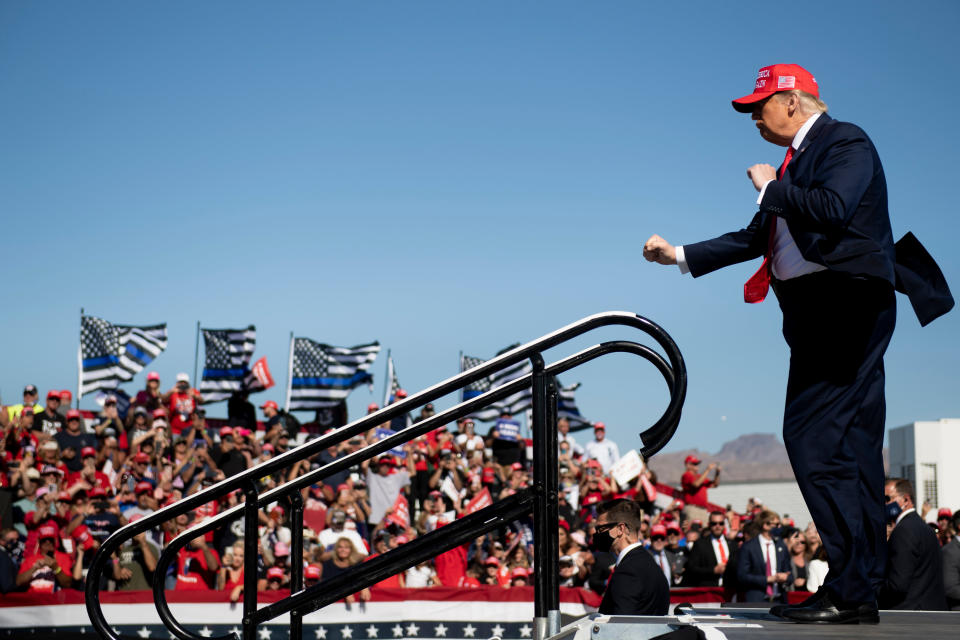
(658, 530)
(88, 452)
(274, 573)
(47, 531)
(691, 459)
(777, 77)
(311, 572)
(73, 414)
(269, 404)
(143, 487)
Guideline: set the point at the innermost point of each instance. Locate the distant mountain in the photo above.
(754, 456)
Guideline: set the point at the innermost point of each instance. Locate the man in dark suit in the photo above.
(763, 564)
(824, 231)
(709, 556)
(915, 568)
(637, 586)
(951, 565)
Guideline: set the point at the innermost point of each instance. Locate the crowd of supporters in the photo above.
(70, 482)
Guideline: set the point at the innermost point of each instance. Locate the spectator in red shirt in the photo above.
(181, 402)
(150, 398)
(694, 485)
(197, 566)
(48, 569)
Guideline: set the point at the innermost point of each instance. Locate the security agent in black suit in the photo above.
(914, 578)
(824, 225)
(637, 586)
(704, 568)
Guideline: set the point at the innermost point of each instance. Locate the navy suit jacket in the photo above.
(752, 570)
(833, 197)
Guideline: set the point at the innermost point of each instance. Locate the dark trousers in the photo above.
(838, 328)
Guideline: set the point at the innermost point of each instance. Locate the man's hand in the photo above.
(659, 250)
(761, 174)
(720, 568)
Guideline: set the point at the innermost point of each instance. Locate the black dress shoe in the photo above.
(825, 612)
(777, 610)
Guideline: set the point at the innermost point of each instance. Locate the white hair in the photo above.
(809, 103)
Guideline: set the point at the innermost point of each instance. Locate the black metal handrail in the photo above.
(542, 496)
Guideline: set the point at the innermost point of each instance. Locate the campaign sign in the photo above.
(509, 430)
(627, 468)
(380, 433)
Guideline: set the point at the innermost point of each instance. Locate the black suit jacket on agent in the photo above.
(833, 198)
(637, 587)
(701, 561)
(914, 568)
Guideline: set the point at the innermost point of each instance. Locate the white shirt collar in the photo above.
(903, 514)
(804, 130)
(626, 550)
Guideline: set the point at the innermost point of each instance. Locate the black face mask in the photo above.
(601, 541)
(776, 532)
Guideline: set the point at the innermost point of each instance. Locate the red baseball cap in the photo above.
(274, 573)
(141, 457)
(47, 532)
(143, 487)
(944, 512)
(98, 492)
(269, 404)
(73, 414)
(516, 466)
(519, 572)
(159, 413)
(777, 77)
(400, 393)
(153, 375)
(599, 426)
(53, 394)
(311, 572)
(88, 451)
(65, 395)
(226, 431)
(691, 458)
(372, 407)
(64, 497)
(658, 530)
(492, 560)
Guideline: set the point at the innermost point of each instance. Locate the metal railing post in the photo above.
(551, 544)
(250, 555)
(546, 595)
(296, 561)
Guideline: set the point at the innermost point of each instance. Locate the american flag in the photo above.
(567, 407)
(392, 383)
(114, 353)
(227, 366)
(514, 404)
(323, 376)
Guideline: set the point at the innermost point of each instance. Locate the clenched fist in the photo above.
(659, 250)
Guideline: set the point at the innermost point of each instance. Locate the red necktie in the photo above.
(723, 554)
(756, 288)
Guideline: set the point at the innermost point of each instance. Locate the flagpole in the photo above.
(286, 405)
(196, 355)
(460, 370)
(80, 361)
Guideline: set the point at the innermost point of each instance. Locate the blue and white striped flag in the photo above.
(515, 404)
(226, 369)
(114, 353)
(322, 375)
(567, 407)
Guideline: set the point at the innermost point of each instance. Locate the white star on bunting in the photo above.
(440, 631)
(206, 632)
(525, 631)
(412, 629)
(498, 630)
(469, 631)
(346, 632)
(143, 632)
(321, 633)
(264, 633)
(236, 631)
(397, 631)
(371, 631)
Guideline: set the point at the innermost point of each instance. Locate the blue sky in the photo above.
(445, 176)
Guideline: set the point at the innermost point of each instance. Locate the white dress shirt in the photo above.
(787, 261)
(626, 550)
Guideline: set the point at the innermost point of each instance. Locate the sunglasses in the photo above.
(607, 526)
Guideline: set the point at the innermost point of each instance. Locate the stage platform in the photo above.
(741, 623)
